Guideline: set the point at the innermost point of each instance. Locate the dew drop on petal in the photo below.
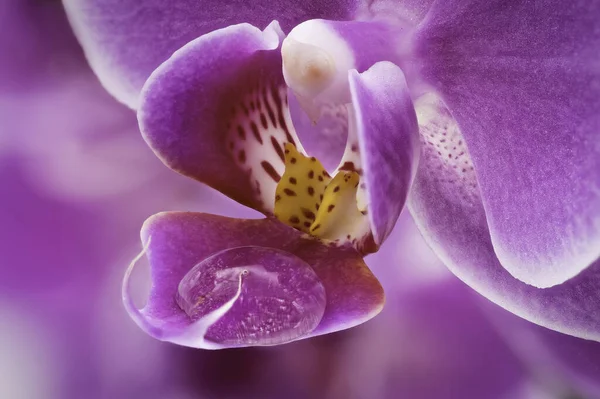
(252, 296)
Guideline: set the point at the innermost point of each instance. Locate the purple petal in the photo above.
(445, 202)
(522, 81)
(217, 111)
(125, 40)
(388, 141)
(320, 289)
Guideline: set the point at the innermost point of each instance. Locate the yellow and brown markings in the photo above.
(297, 196)
(308, 199)
(338, 211)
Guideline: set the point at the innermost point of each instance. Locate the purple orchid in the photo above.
(299, 272)
(63, 334)
(506, 188)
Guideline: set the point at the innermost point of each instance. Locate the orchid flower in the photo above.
(507, 101)
(62, 327)
(298, 272)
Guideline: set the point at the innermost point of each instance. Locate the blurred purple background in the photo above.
(78, 181)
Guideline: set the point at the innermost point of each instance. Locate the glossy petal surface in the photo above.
(125, 40)
(179, 241)
(522, 80)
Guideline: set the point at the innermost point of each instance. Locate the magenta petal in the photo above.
(289, 288)
(388, 140)
(125, 40)
(522, 80)
(189, 102)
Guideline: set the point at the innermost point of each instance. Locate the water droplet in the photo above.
(264, 296)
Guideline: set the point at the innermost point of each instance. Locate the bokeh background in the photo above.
(76, 183)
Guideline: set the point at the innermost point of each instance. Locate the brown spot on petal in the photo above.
(263, 120)
(349, 166)
(255, 132)
(241, 132)
(277, 148)
(270, 171)
(289, 192)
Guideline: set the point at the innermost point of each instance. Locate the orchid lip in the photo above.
(242, 288)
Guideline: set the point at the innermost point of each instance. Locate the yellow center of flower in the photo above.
(308, 199)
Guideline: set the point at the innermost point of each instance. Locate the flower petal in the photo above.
(125, 40)
(217, 111)
(444, 201)
(387, 142)
(522, 81)
(315, 273)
